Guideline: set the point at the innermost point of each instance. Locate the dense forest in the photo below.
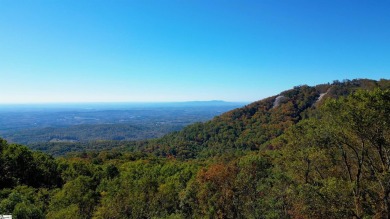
(309, 152)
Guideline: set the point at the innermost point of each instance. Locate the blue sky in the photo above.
(180, 50)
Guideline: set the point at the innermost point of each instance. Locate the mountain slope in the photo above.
(252, 126)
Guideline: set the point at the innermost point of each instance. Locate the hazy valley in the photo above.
(27, 124)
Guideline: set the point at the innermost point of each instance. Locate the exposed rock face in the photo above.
(322, 95)
(279, 100)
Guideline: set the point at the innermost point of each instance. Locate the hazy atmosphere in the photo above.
(158, 51)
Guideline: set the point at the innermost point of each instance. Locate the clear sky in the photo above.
(180, 50)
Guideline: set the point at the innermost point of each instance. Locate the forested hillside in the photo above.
(310, 152)
(253, 126)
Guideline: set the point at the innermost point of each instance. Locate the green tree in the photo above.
(361, 126)
(339, 162)
(76, 194)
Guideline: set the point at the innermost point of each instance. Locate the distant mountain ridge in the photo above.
(108, 105)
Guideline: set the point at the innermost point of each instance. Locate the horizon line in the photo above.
(120, 102)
